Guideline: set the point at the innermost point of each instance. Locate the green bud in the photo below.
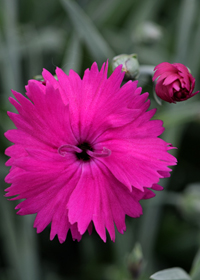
(55, 76)
(135, 261)
(38, 78)
(130, 65)
(41, 79)
(190, 203)
(147, 32)
(189, 70)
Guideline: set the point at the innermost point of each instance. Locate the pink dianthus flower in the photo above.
(85, 152)
(175, 82)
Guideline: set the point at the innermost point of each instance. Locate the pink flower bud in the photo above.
(174, 83)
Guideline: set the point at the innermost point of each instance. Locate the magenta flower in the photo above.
(175, 82)
(85, 152)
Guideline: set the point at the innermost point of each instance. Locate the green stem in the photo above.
(147, 70)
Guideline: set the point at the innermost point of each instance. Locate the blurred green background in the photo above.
(72, 34)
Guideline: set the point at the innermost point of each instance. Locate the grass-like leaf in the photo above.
(96, 44)
(195, 271)
(175, 273)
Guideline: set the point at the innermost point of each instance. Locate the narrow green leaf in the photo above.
(151, 55)
(12, 40)
(175, 273)
(96, 44)
(142, 11)
(102, 11)
(179, 114)
(73, 55)
(194, 53)
(195, 271)
(185, 26)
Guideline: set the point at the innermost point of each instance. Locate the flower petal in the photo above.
(174, 83)
(86, 150)
(144, 158)
(100, 198)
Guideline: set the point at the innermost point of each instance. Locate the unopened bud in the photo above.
(135, 261)
(41, 79)
(174, 82)
(38, 78)
(130, 65)
(147, 32)
(190, 203)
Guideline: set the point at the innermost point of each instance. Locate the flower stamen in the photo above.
(62, 150)
(83, 151)
(104, 153)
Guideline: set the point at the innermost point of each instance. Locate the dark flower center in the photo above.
(84, 155)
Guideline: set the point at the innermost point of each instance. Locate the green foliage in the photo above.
(171, 274)
(72, 34)
(195, 270)
(96, 44)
